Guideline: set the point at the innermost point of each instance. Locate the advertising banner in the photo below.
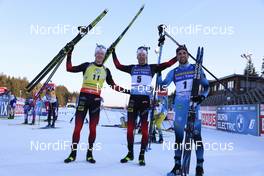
(208, 114)
(238, 118)
(4, 101)
(19, 106)
(261, 119)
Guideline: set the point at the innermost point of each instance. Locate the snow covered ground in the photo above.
(227, 154)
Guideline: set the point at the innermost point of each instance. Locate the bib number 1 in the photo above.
(185, 84)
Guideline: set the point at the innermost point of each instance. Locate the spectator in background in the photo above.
(51, 98)
(12, 105)
(29, 106)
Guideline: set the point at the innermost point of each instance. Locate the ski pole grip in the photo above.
(161, 29)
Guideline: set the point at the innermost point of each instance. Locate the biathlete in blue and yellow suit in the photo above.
(94, 75)
(182, 76)
(139, 102)
(160, 113)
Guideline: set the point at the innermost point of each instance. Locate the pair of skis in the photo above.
(189, 129)
(113, 45)
(57, 60)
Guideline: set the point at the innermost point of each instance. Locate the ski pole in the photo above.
(161, 29)
(220, 82)
(109, 121)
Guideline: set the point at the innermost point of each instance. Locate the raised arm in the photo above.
(119, 66)
(164, 65)
(110, 81)
(167, 81)
(74, 69)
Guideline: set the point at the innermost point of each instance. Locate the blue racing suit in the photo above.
(182, 76)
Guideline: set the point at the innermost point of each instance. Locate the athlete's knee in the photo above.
(130, 129)
(179, 132)
(77, 129)
(78, 124)
(197, 135)
(178, 139)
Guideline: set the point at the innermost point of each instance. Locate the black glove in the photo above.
(127, 91)
(198, 99)
(111, 48)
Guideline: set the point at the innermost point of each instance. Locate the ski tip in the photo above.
(198, 53)
(142, 7)
(202, 52)
(106, 10)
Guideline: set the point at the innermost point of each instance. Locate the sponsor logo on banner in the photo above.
(223, 123)
(209, 119)
(208, 114)
(240, 123)
(238, 119)
(251, 124)
(4, 101)
(3, 108)
(20, 106)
